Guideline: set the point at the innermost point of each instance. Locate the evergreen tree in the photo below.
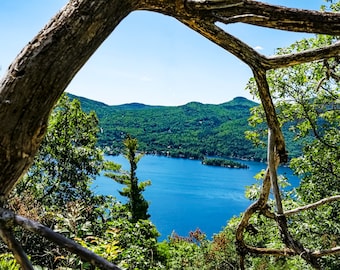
(136, 204)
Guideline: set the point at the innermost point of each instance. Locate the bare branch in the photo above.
(228, 42)
(318, 86)
(281, 220)
(289, 252)
(312, 205)
(271, 16)
(271, 117)
(270, 251)
(279, 61)
(213, 4)
(259, 205)
(273, 163)
(294, 246)
(41, 72)
(19, 254)
(326, 252)
(60, 240)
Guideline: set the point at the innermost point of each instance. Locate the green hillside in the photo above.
(192, 130)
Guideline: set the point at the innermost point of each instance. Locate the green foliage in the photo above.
(307, 100)
(136, 204)
(193, 130)
(223, 163)
(196, 252)
(138, 244)
(107, 246)
(7, 262)
(68, 158)
(56, 190)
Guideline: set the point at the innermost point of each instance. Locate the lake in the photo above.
(186, 195)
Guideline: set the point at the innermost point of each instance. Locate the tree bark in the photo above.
(18, 253)
(8, 217)
(40, 74)
(44, 68)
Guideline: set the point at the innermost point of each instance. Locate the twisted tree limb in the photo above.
(77, 31)
(258, 206)
(266, 15)
(294, 247)
(41, 72)
(280, 61)
(44, 68)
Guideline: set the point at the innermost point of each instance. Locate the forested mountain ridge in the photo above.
(193, 130)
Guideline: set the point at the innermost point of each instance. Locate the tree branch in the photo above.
(271, 117)
(228, 42)
(35, 227)
(294, 246)
(312, 205)
(271, 16)
(19, 254)
(326, 252)
(281, 220)
(273, 163)
(289, 252)
(280, 61)
(270, 251)
(259, 205)
(41, 72)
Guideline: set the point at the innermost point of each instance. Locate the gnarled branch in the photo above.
(280, 61)
(41, 72)
(271, 16)
(7, 216)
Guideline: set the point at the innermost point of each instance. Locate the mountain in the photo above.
(192, 130)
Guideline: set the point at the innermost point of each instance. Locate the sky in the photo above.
(150, 58)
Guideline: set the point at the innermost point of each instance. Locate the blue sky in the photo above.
(149, 58)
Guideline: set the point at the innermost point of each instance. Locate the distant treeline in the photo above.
(194, 130)
(224, 163)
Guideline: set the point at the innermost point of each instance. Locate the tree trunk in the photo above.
(40, 74)
(43, 69)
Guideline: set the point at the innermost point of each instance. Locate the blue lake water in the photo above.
(186, 195)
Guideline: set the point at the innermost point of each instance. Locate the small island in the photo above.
(224, 163)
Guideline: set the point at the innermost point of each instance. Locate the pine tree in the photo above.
(137, 205)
